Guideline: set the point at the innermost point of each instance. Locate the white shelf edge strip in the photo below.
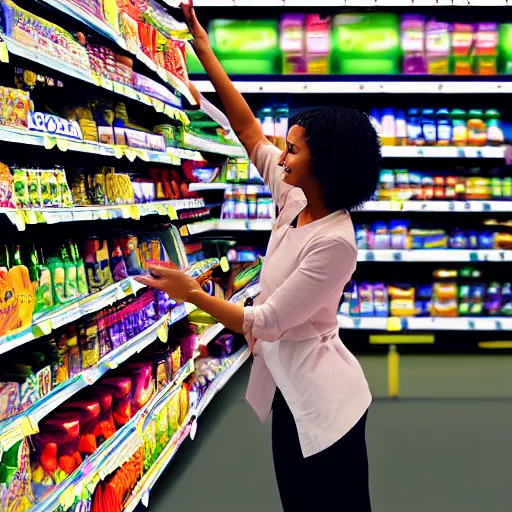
(438, 206)
(21, 217)
(427, 323)
(102, 462)
(172, 156)
(147, 482)
(339, 86)
(196, 228)
(436, 255)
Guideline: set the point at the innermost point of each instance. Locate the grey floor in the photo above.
(425, 456)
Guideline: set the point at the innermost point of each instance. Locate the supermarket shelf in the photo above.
(435, 255)
(221, 381)
(340, 85)
(173, 156)
(198, 144)
(171, 108)
(141, 492)
(46, 322)
(24, 424)
(112, 454)
(21, 217)
(230, 225)
(75, 11)
(426, 323)
(438, 206)
(345, 3)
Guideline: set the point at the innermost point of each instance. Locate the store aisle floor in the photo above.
(425, 456)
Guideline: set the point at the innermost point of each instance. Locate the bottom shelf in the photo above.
(143, 488)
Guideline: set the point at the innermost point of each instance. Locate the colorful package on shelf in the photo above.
(366, 43)
(15, 486)
(293, 43)
(486, 49)
(413, 44)
(7, 194)
(15, 106)
(45, 38)
(96, 259)
(438, 46)
(463, 36)
(246, 46)
(54, 125)
(154, 89)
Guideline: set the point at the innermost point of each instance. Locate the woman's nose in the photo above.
(282, 159)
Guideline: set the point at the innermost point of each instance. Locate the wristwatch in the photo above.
(249, 302)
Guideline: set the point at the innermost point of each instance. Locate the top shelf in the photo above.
(348, 3)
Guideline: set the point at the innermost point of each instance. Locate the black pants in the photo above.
(334, 479)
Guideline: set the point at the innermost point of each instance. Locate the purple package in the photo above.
(9, 399)
(222, 346)
(293, 43)
(413, 44)
(188, 346)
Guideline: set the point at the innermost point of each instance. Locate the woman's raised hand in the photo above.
(199, 34)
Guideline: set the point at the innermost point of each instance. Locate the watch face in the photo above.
(249, 302)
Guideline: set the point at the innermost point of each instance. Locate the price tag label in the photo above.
(193, 430)
(158, 106)
(29, 426)
(394, 324)
(103, 214)
(130, 154)
(17, 219)
(369, 256)
(224, 264)
(119, 88)
(62, 144)
(118, 152)
(145, 499)
(96, 80)
(134, 212)
(397, 256)
(171, 211)
(107, 84)
(4, 52)
(184, 230)
(30, 217)
(162, 332)
(49, 142)
(42, 328)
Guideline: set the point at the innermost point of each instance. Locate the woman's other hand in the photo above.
(178, 285)
(201, 42)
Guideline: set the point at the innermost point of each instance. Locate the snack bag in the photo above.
(25, 293)
(20, 182)
(7, 195)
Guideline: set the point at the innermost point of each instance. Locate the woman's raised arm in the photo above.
(243, 122)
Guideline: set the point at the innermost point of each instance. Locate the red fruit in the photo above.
(48, 457)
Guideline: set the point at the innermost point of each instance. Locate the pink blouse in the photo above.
(294, 319)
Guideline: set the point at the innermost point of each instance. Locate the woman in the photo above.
(301, 369)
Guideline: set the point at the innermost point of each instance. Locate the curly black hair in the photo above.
(346, 154)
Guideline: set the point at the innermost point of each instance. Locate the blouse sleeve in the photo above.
(266, 157)
(323, 273)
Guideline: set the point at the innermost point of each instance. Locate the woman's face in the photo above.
(296, 159)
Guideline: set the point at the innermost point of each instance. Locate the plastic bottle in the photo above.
(477, 129)
(429, 126)
(400, 128)
(388, 129)
(495, 135)
(444, 127)
(459, 127)
(414, 128)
